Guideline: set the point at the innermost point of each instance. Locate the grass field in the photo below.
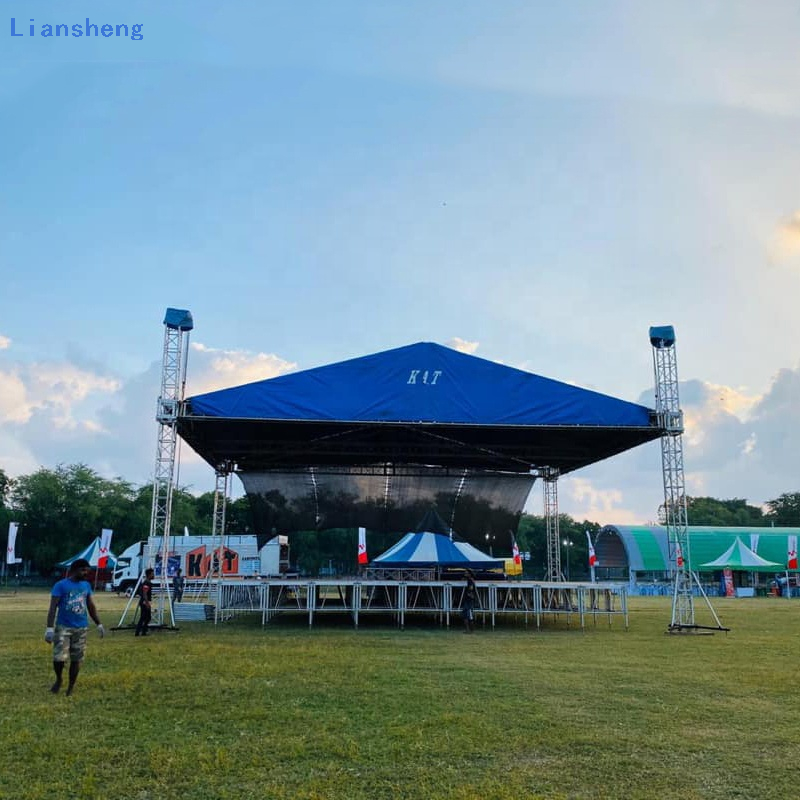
(238, 711)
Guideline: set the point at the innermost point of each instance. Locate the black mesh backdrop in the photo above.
(474, 503)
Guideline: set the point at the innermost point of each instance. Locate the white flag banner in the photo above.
(754, 542)
(592, 554)
(11, 555)
(105, 548)
(362, 546)
(791, 556)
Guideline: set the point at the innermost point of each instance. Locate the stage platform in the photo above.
(532, 602)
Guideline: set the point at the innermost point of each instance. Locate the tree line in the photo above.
(61, 510)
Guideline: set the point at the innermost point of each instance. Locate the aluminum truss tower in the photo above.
(177, 325)
(674, 511)
(218, 544)
(550, 483)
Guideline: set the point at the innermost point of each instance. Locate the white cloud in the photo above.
(13, 398)
(56, 388)
(219, 369)
(598, 504)
(59, 412)
(5, 342)
(736, 444)
(462, 345)
(786, 242)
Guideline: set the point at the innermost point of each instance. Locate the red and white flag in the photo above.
(592, 554)
(515, 550)
(791, 561)
(105, 548)
(362, 545)
(678, 555)
(11, 556)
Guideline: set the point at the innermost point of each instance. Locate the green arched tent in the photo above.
(640, 549)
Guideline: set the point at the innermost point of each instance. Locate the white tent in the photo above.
(92, 555)
(740, 557)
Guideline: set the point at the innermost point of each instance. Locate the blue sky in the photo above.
(533, 183)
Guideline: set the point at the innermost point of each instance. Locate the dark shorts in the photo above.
(467, 611)
(69, 644)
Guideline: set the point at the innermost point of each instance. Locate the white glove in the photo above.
(49, 635)
(101, 630)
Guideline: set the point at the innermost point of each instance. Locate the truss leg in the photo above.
(550, 490)
(218, 538)
(673, 513)
(177, 325)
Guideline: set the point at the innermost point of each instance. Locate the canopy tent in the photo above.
(740, 557)
(645, 549)
(372, 440)
(425, 549)
(467, 411)
(92, 555)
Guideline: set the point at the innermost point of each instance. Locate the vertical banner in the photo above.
(11, 555)
(727, 577)
(754, 542)
(105, 548)
(515, 551)
(791, 555)
(678, 555)
(362, 545)
(592, 556)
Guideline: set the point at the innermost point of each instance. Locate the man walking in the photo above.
(178, 583)
(468, 602)
(145, 602)
(72, 599)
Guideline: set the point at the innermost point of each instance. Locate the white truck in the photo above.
(238, 556)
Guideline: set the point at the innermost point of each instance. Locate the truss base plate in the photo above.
(699, 630)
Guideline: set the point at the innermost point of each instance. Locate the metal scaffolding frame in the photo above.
(673, 513)
(177, 326)
(221, 489)
(525, 601)
(550, 492)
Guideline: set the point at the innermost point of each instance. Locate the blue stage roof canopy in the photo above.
(418, 404)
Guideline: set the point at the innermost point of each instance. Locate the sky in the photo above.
(531, 182)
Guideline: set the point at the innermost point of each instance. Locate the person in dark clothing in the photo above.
(178, 582)
(468, 603)
(145, 603)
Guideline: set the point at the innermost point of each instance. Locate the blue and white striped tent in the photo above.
(91, 554)
(424, 549)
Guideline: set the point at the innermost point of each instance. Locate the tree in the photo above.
(784, 510)
(238, 518)
(532, 536)
(62, 510)
(5, 487)
(723, 513)
(40, 499)
(6, 515)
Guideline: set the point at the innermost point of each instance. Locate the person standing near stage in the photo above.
(145, 602)
(71, 605)
(178, 582)
(468, 602)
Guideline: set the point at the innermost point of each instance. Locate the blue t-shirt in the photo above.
(72, 596)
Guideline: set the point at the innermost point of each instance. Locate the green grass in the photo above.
(238, 711)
